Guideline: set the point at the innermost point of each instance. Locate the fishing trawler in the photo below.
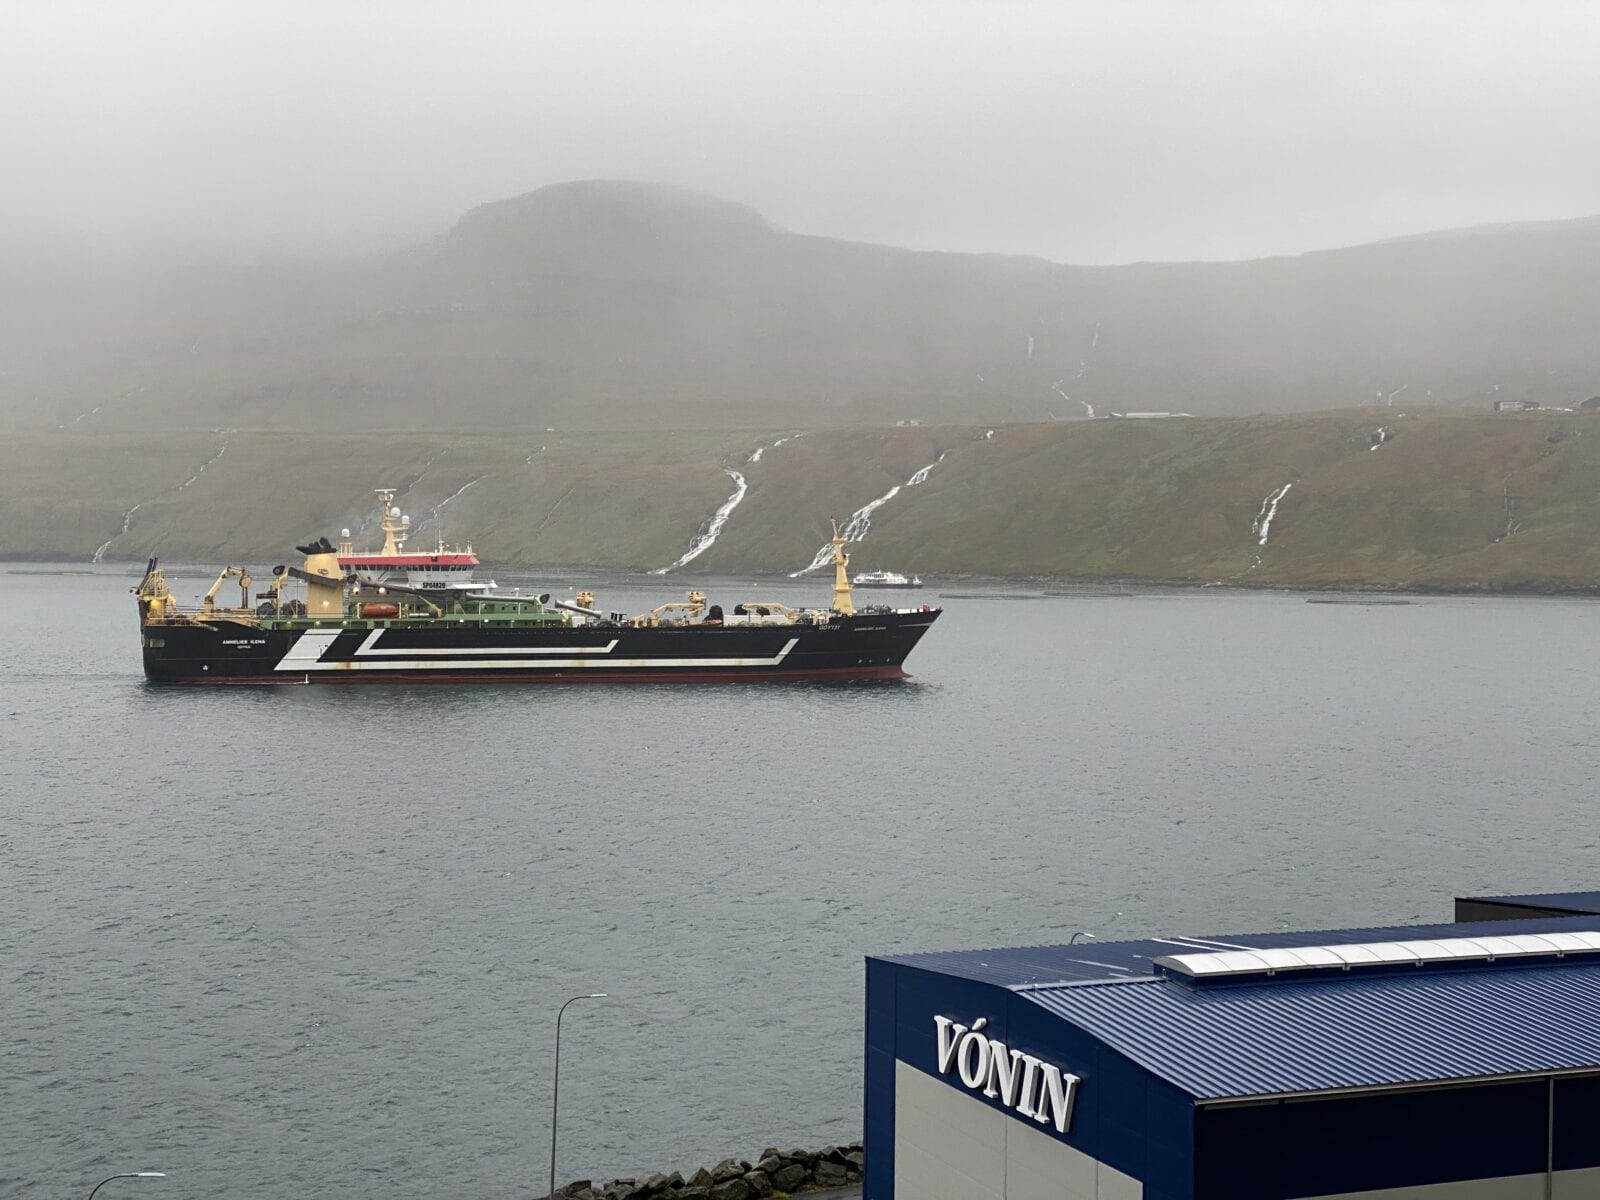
(319, 622)
(442, 569)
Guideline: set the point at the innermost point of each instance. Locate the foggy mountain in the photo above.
(609, 304)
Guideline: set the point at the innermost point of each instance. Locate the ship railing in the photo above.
(188, 616)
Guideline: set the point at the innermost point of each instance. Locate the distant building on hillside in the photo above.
(1515, 405)
(908, 421)
(1146, 416)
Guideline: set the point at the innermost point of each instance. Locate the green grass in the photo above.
(1157, 500)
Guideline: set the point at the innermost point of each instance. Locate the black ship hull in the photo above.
(858, 647)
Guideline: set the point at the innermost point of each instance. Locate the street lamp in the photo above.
(128, 1175)
(555, 1086)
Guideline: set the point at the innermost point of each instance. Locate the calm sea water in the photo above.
(310, 941)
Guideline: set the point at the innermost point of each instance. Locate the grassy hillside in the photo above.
(1447, 499)
(605, 304)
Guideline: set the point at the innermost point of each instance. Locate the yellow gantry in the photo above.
(843, 601)
(156, 602)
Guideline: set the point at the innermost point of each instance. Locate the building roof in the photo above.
(1395, 1025)
(1325, 1035)
(1032, 966)
(1472, 953)
(1573, 902)
(1035, 965)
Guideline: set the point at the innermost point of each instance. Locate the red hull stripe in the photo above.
(480, 678)
(412, 560)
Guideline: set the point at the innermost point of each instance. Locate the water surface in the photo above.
(310, 941)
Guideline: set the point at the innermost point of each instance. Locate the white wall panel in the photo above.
(946, 1146)
(1577, 1185)
(950, 1146)
(1040, 1168)
(1510, 1187)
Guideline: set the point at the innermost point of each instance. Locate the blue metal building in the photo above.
(1456, 1061)
(1505, 908)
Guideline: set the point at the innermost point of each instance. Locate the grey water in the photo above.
(304, 941)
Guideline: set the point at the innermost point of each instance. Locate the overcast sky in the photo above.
(1083, 132)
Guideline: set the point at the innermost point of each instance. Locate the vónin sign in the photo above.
(1031, 1086)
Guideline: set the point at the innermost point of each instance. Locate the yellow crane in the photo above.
(691, 608)
(208, 603)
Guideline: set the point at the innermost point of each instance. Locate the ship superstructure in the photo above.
(440, 569)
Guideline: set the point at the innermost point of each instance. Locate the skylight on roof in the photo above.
(1272, 960)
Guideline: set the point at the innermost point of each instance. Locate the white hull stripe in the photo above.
(306, 655)
(307, 650)
(367, 649)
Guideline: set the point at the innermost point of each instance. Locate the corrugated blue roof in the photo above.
(1282, 1037)
(1573, 902)
(1290, 1034)
(1023, 965)
(1408, 933)
(1086, 961)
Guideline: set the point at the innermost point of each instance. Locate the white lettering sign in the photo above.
(1031, 1086)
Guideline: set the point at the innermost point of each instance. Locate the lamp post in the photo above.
(128, 1175)
(555, 1086)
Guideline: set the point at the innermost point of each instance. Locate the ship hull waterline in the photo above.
(846, 649)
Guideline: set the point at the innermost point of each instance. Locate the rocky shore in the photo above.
(774, 1173)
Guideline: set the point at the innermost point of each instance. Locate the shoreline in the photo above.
(1031, 587)
(831, 1172)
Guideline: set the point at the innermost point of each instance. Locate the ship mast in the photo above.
(842, 599)
(396, 528)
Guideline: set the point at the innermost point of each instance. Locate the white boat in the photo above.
(886, 579)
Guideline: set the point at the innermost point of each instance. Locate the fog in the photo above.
(1082, 132)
